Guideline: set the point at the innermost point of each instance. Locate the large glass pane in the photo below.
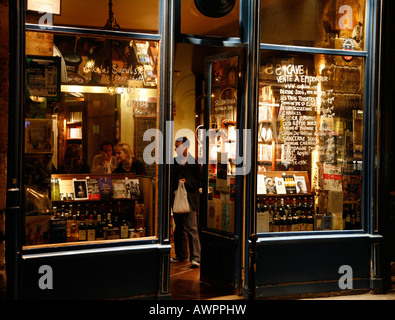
(127, 15)
(89, 102)
(310, 136)
(336, 24)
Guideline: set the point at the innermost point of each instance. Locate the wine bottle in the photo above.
(73, 230)
(295, 216)
(310, 216)
(303, 218)
(124, 229)
(318, 220)
(116, 227)
(91, 231)
(262, 218)
(283, 216)
(276, 221)
(289, 219)
(352, 214)
(82, 230)
(270, 211)
(110, 226)
(358, 224)
(99, 228)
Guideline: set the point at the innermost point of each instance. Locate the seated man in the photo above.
(104, 162)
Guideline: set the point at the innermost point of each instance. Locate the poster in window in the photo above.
(80, 189)
(43, 77)
(332, 176)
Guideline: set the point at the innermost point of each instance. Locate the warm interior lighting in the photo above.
(89, 66)
(112, 89)
(83, 89)
(37, 99)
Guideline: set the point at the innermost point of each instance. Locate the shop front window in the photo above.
(335, 24)
(89, 102)
(310, 138)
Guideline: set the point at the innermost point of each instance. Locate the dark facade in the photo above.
(285, 263)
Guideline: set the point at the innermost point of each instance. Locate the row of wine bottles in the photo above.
(278, 215)
(69, 225)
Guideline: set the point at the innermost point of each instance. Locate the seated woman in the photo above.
(74, 160)
(126, 161)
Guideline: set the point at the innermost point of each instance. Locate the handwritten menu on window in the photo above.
(306, 112)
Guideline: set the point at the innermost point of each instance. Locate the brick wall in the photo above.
(4, 54)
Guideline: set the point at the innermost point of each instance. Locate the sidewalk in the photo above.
(390, 295)
(357, 295)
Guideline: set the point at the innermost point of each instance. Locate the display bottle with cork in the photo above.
(295, 216)
(282, 216)
(276, 221)
(289, 221)
(303, 216)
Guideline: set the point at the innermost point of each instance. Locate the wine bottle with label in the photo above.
(91, 230)
(283, 216)
(99, 228)
(295, 216)
(124, 229)
(74, 230)
(82, 230)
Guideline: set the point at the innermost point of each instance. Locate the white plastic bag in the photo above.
(181, 204)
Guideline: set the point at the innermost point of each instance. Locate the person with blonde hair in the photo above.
(127, 163)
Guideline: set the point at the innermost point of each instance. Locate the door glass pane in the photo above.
(90, 100)
(336, 24)
(310, 137)
(222, 145)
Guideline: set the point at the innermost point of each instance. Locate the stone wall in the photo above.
(4, 93)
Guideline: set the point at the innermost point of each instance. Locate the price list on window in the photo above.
(305, 112)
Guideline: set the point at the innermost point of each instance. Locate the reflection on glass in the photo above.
(310, 132)
(314, 23)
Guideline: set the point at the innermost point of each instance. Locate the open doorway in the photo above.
(192, 71)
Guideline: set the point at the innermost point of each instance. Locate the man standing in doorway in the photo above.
(186, 169)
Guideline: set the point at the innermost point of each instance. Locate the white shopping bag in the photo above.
(181, 204)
